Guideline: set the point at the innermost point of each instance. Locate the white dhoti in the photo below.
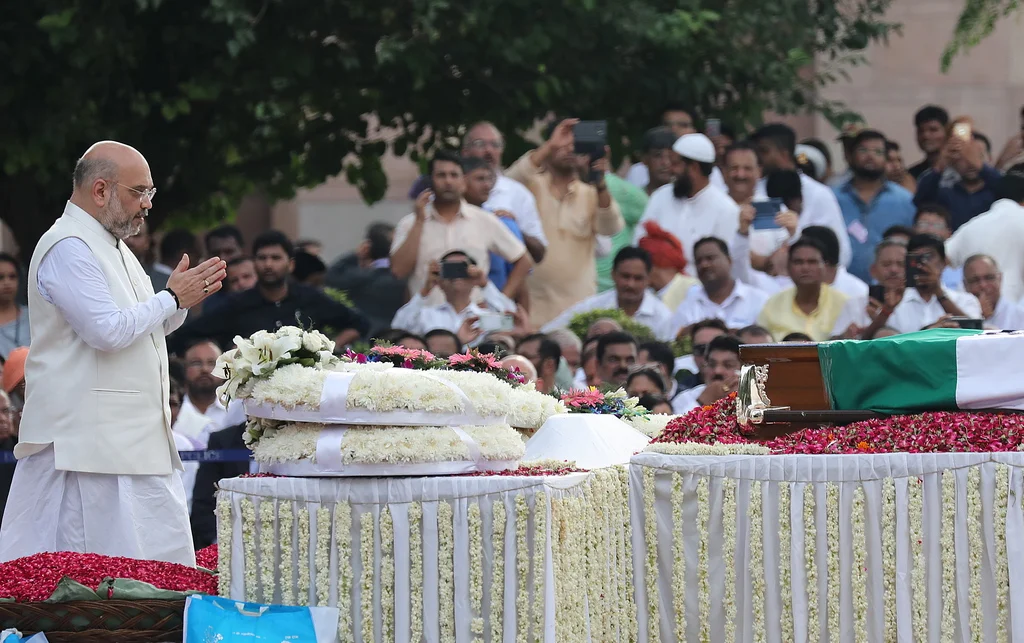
(134, 516)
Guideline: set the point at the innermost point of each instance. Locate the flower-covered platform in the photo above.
(531, 554)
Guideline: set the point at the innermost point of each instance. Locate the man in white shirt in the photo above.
(484, 141)
(856, 319)
(983, 280)
(631, 273)
(719, 295)
(997, 233)
(200, 408)
(721, 373)
(691, 208)
(97, 468)
(929, 305)
(458, 314)
(776, 147)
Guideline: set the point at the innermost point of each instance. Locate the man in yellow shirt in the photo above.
(811, 306)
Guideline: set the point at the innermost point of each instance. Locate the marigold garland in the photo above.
(224, 526)
(498, 571)
(446, 570)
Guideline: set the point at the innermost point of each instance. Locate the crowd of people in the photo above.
(708, 241)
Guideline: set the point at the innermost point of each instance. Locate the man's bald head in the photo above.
(484, 141)
(112, 183)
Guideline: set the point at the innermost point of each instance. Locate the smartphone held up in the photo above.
(591, 137)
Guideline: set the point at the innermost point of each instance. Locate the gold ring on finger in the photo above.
(206, 290)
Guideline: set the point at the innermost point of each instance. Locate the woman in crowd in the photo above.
(14, 329)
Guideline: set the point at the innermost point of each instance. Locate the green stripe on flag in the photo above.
(898, 374)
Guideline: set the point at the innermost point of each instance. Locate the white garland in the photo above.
(915, 504)
(729, 556)
(476, 571)
(758, 586)
(651, 545)
(785, 560)
(679, 558)
(286, 563)
(387, 574)
(1002, 569)
(626, 597)
(249, 545)
(859, 571)
(531, 408)
(323, 556)
(949, 555)
(889, 553)
(976, 539)
(415, 571)
(811, 564)
(540, 511)
(832, 533)
(343, 540)
(366, 529)
(522, 569)
(223, 544)
(391, 445)
(304, 555)
(256, 358)
(703, 556)
(446, 571)
(699, 448)
(652, 425)
(268, 540)
(498, 571)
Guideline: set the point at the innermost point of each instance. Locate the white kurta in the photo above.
(136, 516)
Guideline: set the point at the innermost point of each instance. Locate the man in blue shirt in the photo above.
(961, 181)
(871, 203)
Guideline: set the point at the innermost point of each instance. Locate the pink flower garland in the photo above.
(930, 432)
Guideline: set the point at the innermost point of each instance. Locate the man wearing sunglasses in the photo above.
(97, 468)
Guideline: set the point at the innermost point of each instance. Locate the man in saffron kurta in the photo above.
(97, 468)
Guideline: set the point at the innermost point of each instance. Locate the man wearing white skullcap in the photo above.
(692, 208)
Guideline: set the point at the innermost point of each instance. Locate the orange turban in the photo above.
(14, 368)
(664, 247)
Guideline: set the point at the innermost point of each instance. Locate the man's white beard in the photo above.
(117, 221)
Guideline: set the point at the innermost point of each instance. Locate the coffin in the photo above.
(781, 390)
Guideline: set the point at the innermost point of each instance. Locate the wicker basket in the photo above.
(135, 621)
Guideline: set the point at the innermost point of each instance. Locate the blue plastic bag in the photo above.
(213, 619)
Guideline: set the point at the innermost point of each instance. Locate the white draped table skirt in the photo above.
(898, 547)
(437, 559)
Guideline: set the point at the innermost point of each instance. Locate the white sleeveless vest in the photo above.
(103, 412)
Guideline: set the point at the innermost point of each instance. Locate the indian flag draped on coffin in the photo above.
(930, 370)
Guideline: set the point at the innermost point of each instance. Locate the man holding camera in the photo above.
(457, 274)
(573, 214)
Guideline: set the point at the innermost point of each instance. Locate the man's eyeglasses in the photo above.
(480, 144)
(144, 195)
(700, 349)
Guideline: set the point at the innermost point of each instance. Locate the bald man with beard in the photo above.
(97, 467)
